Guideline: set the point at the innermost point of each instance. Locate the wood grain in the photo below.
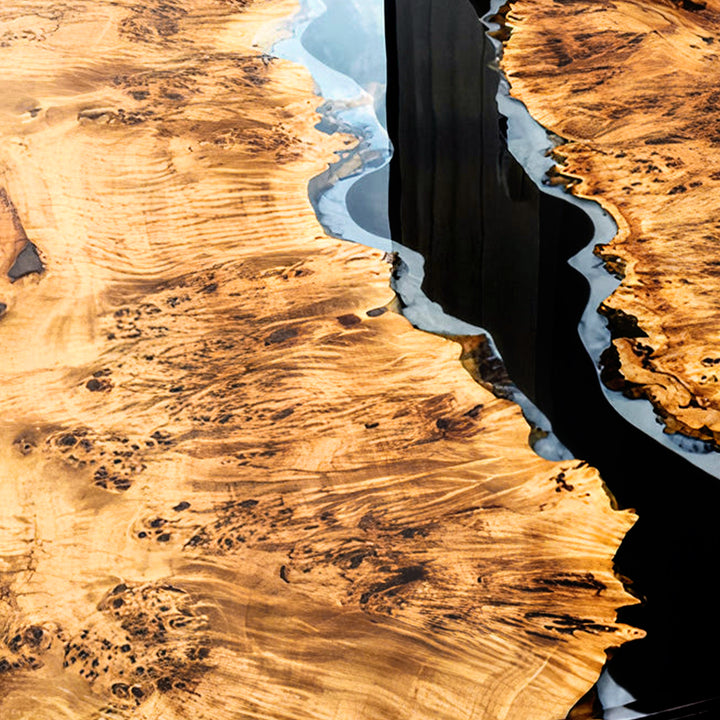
(632, 88)
(236, 484)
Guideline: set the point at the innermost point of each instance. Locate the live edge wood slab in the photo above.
(234, 483)
(632, 86)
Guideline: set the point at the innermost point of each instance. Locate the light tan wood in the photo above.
(235, 485)
(632, 87)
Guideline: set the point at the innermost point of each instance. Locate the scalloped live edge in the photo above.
(632, 87)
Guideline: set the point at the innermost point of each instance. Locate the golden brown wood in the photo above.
(632, 87)
(235, 485)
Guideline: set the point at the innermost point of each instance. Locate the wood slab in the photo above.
(632, 87)
(236, 483)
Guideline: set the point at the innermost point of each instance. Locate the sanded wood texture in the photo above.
(235, 483)
(633, 88)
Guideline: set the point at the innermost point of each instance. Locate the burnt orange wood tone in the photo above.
(234, 482)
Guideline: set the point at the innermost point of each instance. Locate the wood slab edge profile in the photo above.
(632, 88)
(234, 484)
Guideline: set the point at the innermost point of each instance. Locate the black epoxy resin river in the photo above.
(496, 250)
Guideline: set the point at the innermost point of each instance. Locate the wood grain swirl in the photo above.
(236, 483)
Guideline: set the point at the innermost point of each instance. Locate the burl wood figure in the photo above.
(235, 483)
(632, 87)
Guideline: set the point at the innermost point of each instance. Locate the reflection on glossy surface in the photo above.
(348, 66)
